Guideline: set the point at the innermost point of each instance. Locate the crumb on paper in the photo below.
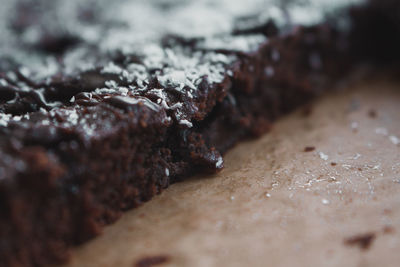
(323, 156)
(309, 148)
(363, 241)
(150, 261)
(394, 139)
(388, 229)
(376, 167)
(372, 113)
(325, 201)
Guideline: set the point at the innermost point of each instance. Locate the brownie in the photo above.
(103, 104)
(375, 33)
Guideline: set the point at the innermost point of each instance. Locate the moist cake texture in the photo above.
(103, 104)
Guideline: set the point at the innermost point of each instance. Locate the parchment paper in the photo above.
(275, 204)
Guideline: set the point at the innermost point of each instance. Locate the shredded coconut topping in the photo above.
(141, 48)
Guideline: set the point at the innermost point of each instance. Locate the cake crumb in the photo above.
(363, 241)
(309, 148)
(372, 113)
(388, 229)
(151, 261)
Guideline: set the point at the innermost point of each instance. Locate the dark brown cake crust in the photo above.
(79, 147)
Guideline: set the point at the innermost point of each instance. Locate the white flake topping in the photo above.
(394, 139)
(219, 162)
(323, 156)
(4, 119)
(186, 122)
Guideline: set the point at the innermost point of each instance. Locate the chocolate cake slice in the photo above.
(103, 104)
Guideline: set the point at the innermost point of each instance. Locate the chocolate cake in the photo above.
(103, 104)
